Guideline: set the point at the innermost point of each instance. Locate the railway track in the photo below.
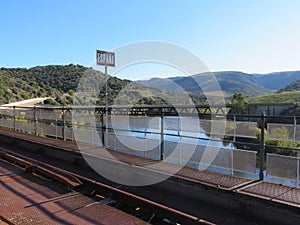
(142, 208)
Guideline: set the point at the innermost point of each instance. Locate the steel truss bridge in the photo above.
(158, 109)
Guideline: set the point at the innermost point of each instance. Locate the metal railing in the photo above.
(232, 144)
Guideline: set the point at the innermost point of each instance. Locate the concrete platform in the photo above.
(30, 199)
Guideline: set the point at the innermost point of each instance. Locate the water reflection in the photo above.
(200, 138)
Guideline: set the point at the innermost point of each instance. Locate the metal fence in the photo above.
(229, 144)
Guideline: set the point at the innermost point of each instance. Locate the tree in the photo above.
(71, 92)
(239, 104)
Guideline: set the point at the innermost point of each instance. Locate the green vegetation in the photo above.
(279, 97)
(58, 82)
(279, 137)
(61, 83)
(239, 104)
(14, 88)
(278, 140)
(294, 86)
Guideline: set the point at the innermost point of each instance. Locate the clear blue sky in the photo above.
(246, 35)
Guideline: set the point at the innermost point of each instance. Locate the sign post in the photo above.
(104, 58)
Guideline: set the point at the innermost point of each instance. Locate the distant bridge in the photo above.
(271, 109)
(171, 110)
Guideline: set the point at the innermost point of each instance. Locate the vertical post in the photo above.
(162, 150)
(294, 141)
(14, 111)
(63, 124)
(106, 105)
(35, 121)
(56, 125)
(262, 146)
(234, 129)
(89, 128)
(1, 117)
(106, 92)
(234, 140)
(294, 135)
(102, 129)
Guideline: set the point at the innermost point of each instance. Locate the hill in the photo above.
(14, 88)
(230, 82)
(278, 80)
(279, 97)
(294, 86)
(48, 81)
(288, 93)
(60, 83)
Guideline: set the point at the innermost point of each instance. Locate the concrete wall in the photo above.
(271, 109)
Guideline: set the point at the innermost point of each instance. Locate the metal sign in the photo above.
(105, 58)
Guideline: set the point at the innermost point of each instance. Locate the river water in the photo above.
(175, 133)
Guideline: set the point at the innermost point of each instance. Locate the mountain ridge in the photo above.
(229, 81)
(57, 80)
(294, 86)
